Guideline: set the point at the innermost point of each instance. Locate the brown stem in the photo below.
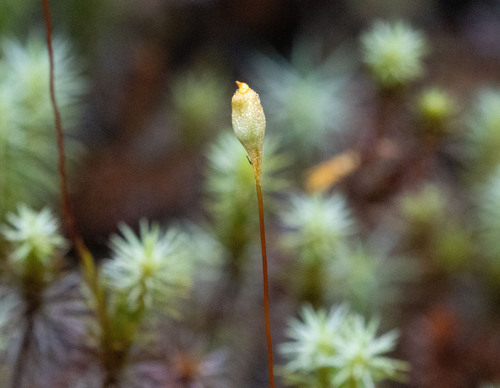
(63, 181)
(266, 283)
(89, 269)
(85, 256)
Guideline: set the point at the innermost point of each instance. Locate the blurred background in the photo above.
(382, 188)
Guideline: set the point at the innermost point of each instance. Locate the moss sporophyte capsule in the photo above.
(249, 124)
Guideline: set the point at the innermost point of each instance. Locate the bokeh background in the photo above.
(150, 133)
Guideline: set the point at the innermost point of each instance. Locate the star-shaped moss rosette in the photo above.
(230, 189)
(35, 241)
(338, 349)
(436, 109)
(306, 96)
(393, 53)
(28, 153)
(483, 135)
(317, 226)
(149, 269)
(488, 215)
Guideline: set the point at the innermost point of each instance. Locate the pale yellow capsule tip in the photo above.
(242, 87)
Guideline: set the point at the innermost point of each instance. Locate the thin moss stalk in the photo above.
(249, 124)
(87, 261)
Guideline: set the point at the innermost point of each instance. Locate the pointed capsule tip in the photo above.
(243, 87)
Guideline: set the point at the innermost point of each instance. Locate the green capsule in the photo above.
(249, 123)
